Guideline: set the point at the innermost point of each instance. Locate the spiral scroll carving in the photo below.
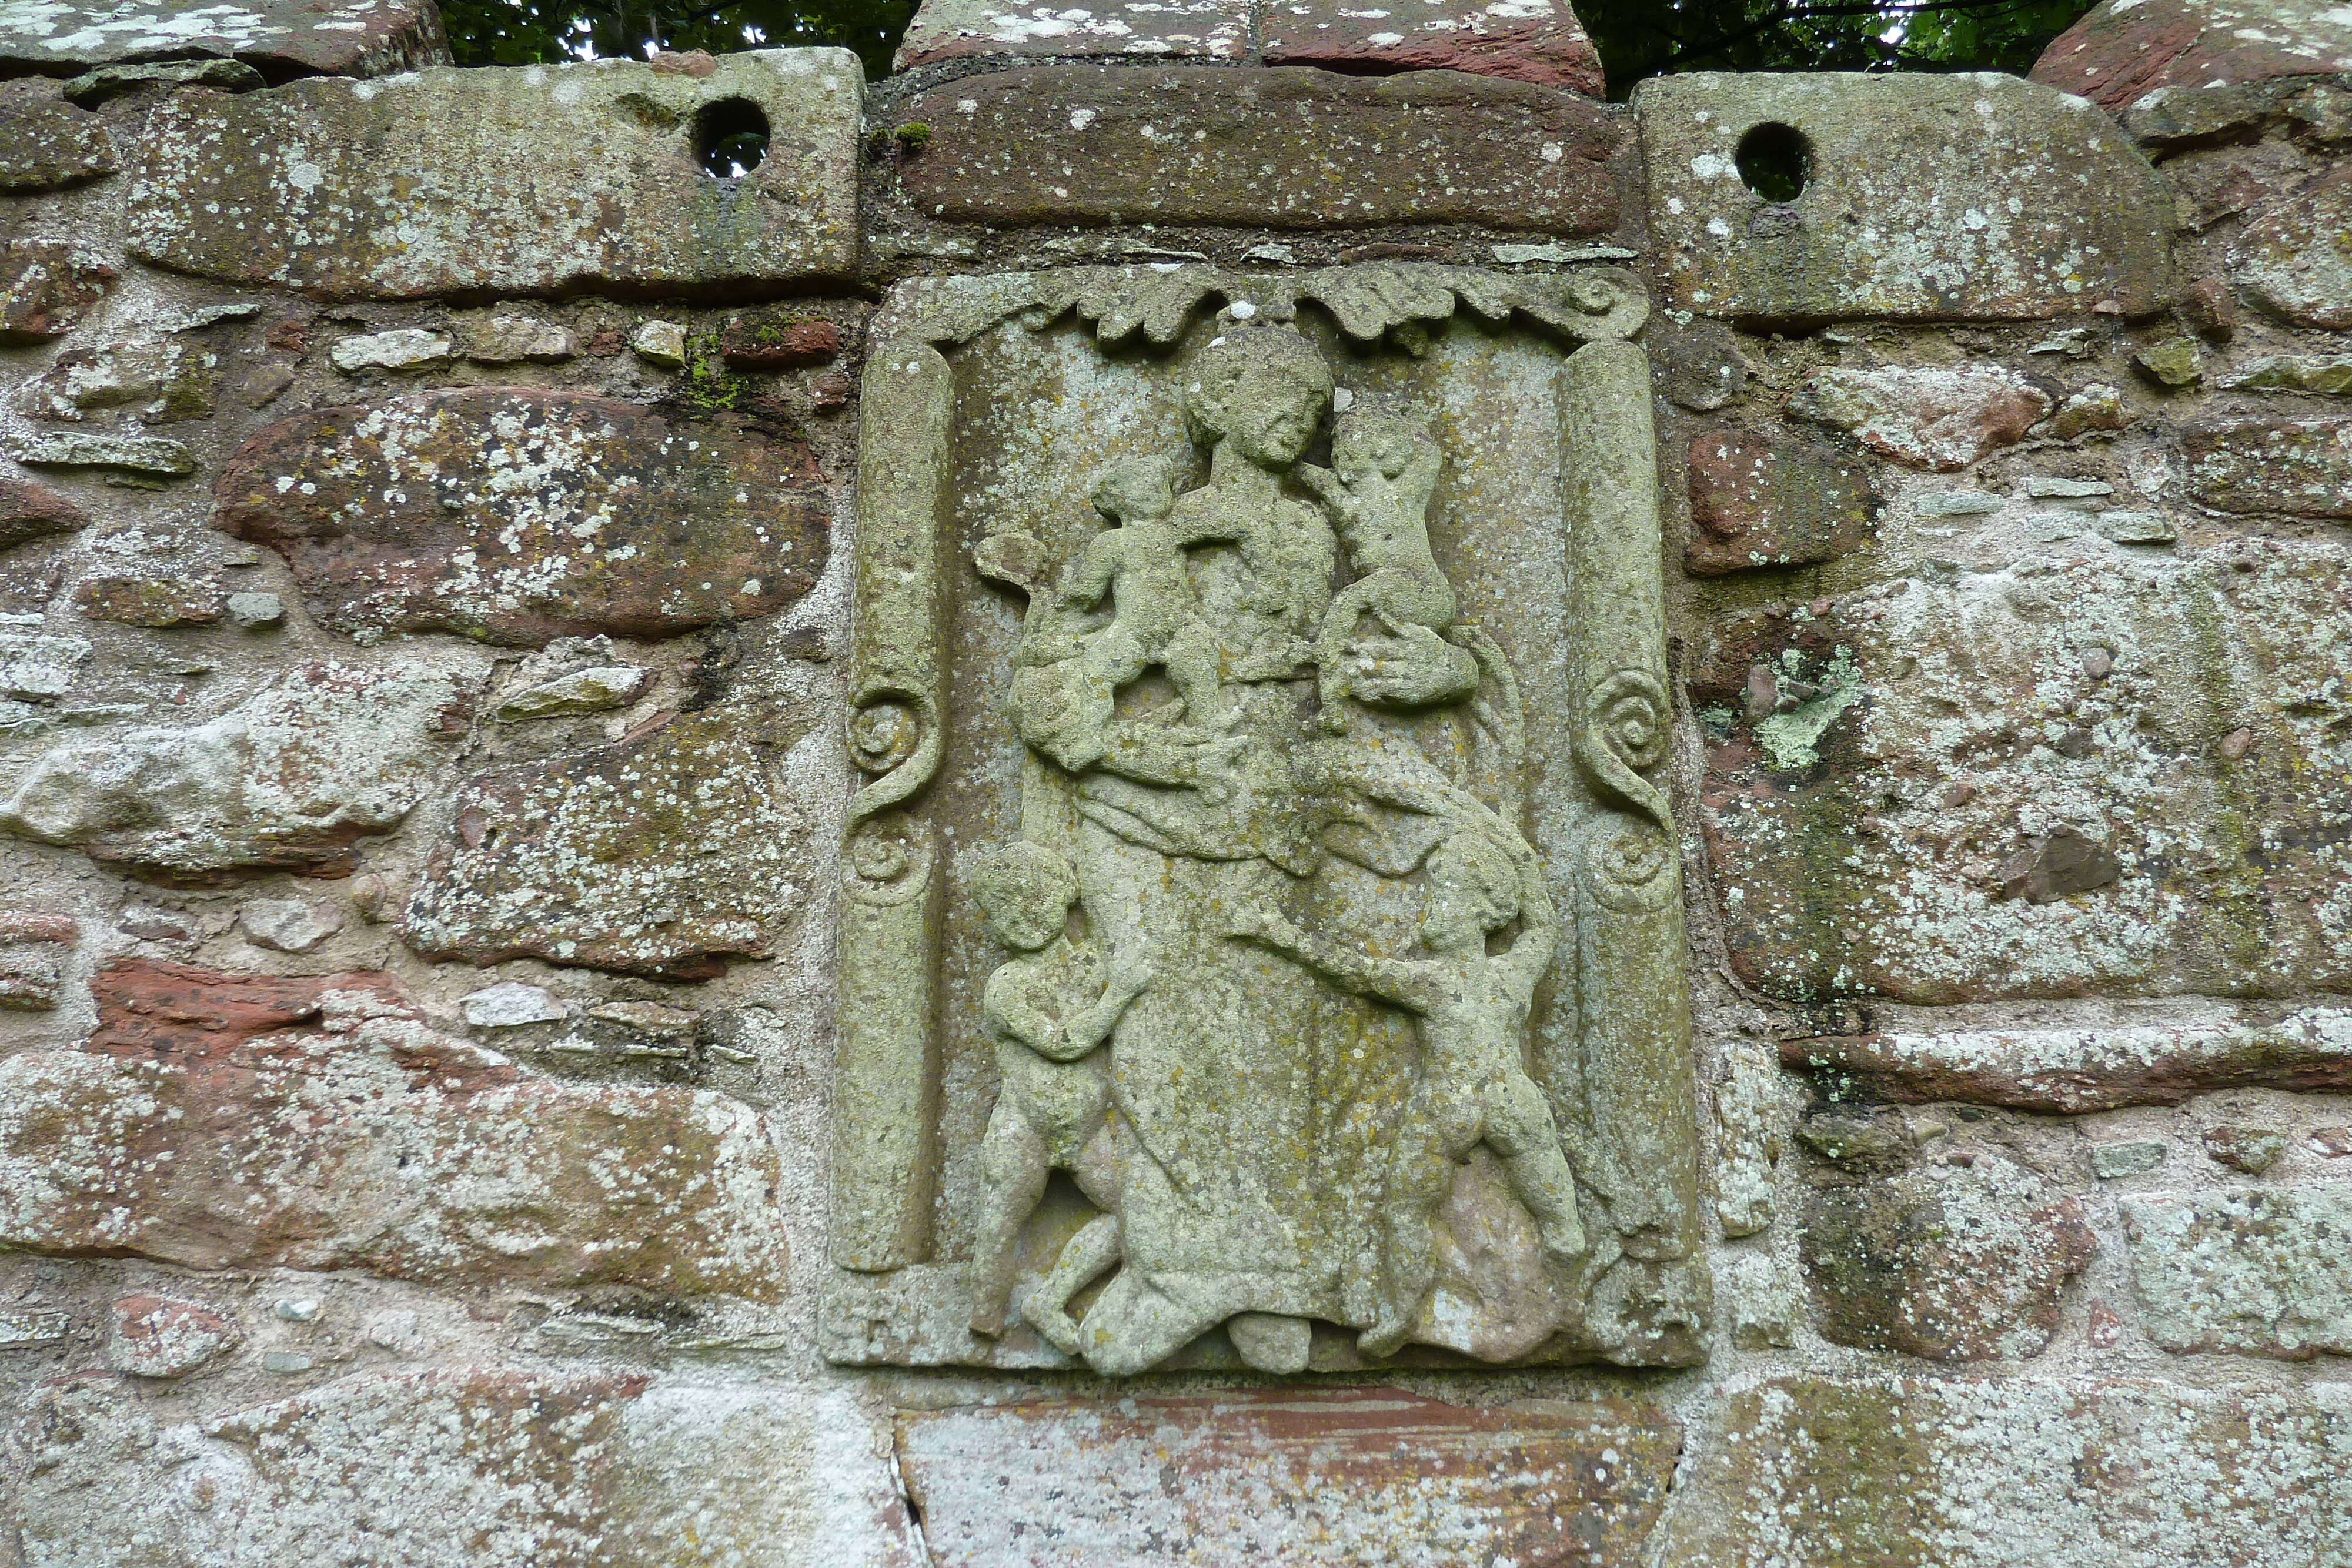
(895, 734)
(1623, 733)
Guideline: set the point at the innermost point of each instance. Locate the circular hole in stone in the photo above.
(730, 137)
(1774, 161)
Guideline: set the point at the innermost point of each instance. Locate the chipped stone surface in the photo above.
(406, 188)
(583, 691)
(1902, 1472)
(2125, 48)
(47, 286)
(1174, 29)
(233, 1120)
(46, 145)
(289, 778)
(1866, 837)
(510, 340)
(519, 515)
(2254, 1270)
(172, 379)
(666, 853)
(279, 37)
(406, 348)
(1941, 420)
(1537, 41)
(156, 603)
(159, 1336)
(511, 1004)
(1928, 197)
(2097, 1068)
(778, 341)
(1761, 503)
(1298, 1477)
(289, 925)
(2299, 466)
(2129, 1157)
(1948, 1261)
(1277, 148)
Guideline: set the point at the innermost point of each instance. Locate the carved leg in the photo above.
(1419, 1176)
(1083, 1257)
(1193, 664)
(1521, 1128)
(1012, 1172)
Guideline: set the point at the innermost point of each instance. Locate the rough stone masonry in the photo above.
(1223, 784)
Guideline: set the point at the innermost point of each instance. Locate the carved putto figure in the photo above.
(1312, 928)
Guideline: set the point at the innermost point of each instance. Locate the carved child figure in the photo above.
(1047, 1009)
(1473, 1086)
(1383, 472)
(1141, 564)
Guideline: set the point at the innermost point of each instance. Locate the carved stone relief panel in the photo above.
(1261, 932)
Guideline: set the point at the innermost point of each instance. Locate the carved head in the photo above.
(1474, 888)
(1141, 487)
(1369, 444)
(1264, 389)
(1024, 891)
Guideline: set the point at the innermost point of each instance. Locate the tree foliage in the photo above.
(1640, 38)
(546, 32)
(1637, 38)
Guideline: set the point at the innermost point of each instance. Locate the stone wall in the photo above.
(425, 606)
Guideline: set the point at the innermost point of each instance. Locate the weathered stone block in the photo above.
(664, 854)
(148, 454)
(519, 515)
(1300, 1477)
(46, 145)
(2012, 1473)
(2299, 466)
(1537, 41)
(1763, 503)
(232, 1121)
(279, 37)
(2125, 48)
(1922, 198)
(34, 952)
(1949, 1261)
(1922, 417)
(952, 29)
(46, 287)
(2293, 258)
(2099, 1068)
(29, 512)
(289, 779)
(1260, 148)
(1880, 765)
(530, 181)
(487, 1466)
(2258, 1270)
(157, 1336)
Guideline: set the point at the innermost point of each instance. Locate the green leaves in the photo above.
(550, 32)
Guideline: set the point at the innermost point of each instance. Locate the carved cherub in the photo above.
(1383, 471)
(1047, 1009)
(1140, 565)
(1473, 1086)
